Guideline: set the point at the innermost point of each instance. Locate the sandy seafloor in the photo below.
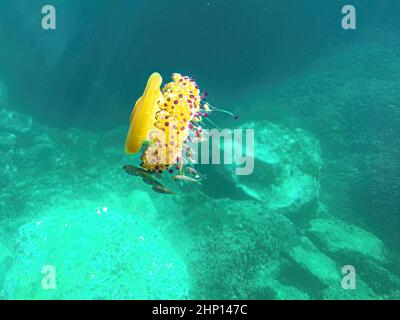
(324, 194)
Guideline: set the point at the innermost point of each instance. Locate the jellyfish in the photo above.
(163, 121)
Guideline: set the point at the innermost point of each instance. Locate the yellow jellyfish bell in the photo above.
(143, 115)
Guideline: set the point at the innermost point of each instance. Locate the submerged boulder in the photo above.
(362, 292)
(286, 168)
(339, 237)
(328, 273)
(311, 259)
(267, 285)
(96, 255)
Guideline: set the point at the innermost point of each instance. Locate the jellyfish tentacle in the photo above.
(221, 110)
(213, 123)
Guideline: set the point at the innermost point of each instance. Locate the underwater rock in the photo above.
(286, 292)
(223, 237)
(141, 203)
(267, 286)
(96, 256)
(383, 279)
(249, 246)
(287, 164)
(339, 237)
(362, 292)
(14, 122)
(328, 272)
(311, 259)
(8, 170)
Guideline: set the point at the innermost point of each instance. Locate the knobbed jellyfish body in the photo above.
(163, 120)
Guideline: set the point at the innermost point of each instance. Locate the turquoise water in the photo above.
(324, 106)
